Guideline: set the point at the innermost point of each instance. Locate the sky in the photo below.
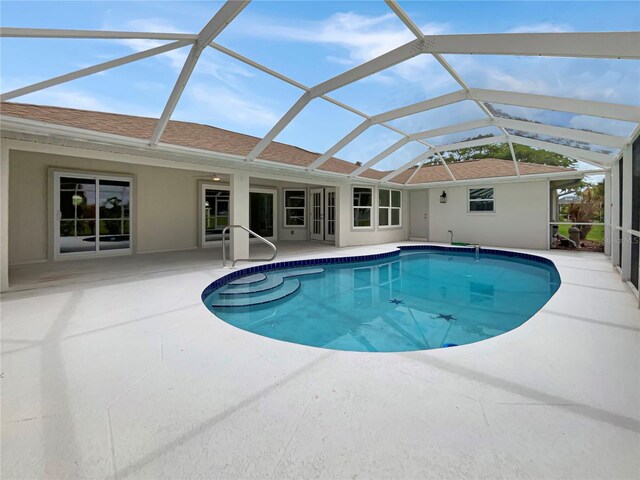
(311, 41)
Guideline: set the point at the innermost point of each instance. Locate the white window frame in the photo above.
(304, 207)
(371, 208)
(389, 209)
(470, 201)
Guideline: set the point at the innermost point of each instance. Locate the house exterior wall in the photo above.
(520, 219)
(348, 236)
(162, 198)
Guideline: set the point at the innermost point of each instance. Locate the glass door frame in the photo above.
(317, 208)
(204, 186)
(330, 192)
(56, 215)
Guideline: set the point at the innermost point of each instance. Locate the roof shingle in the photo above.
(205, 137)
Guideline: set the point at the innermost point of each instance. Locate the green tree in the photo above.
(502, 151)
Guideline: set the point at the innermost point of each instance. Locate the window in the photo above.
(362, 206)
(389, 207)
(481, 200)
(295, 203)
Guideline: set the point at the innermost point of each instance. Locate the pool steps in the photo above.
(273, 280)
(254, 290)
(249, 279)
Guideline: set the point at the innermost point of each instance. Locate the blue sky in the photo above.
(310, 42)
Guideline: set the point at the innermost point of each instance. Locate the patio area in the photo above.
(127, 375)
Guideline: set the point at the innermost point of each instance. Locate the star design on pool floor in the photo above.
(396, 301)
(448, 318)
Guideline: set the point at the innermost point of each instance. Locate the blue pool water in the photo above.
(409, 300)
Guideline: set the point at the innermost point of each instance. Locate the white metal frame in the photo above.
(613, 45)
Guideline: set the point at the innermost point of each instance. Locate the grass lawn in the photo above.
(596, 234)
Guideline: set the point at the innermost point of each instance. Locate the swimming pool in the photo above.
(415, 298)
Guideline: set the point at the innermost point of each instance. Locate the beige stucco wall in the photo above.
(348, 236)
(520, 219)
(165, 203)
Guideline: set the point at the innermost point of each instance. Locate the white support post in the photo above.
(239, 183)
(615, 213)
(211, 30)
(627, 186)
(91, 70)
(4, 218)
(608, 233)
(343, 214)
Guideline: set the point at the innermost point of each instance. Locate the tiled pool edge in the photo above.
(362, 258)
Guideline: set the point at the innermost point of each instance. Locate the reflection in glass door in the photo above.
(216, 212)
(216, 208)
(92, 214)
(261, 213)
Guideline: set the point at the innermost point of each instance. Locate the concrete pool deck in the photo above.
(135, 378)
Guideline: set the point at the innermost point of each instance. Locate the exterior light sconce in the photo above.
(443, 197)
(216, 177)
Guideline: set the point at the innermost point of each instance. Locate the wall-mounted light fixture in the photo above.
(216, 177)
(443, 197)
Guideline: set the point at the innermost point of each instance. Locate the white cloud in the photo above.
(543, 27)
(224, 103)
(363, 37)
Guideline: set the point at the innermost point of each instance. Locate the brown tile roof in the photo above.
(186, 134)
(473, 169)
(215, 139)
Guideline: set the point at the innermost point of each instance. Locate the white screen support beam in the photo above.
(211, 30)
(617, 45)
(375, 65)
(460, 127)
(89, 34)
(414, 161)
(419, 107)
(614, 111)
(594, 158)
(381, 118)
(91, 70)
(385, 153)
(561, 132)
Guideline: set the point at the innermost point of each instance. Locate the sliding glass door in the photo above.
(92, 214)
(216, 212)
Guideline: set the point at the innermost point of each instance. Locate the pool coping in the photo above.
(225, 279)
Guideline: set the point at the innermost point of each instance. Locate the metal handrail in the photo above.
(264, 240)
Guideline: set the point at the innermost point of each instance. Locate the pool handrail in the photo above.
(264, 240)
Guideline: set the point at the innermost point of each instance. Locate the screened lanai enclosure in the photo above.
(389, 96)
